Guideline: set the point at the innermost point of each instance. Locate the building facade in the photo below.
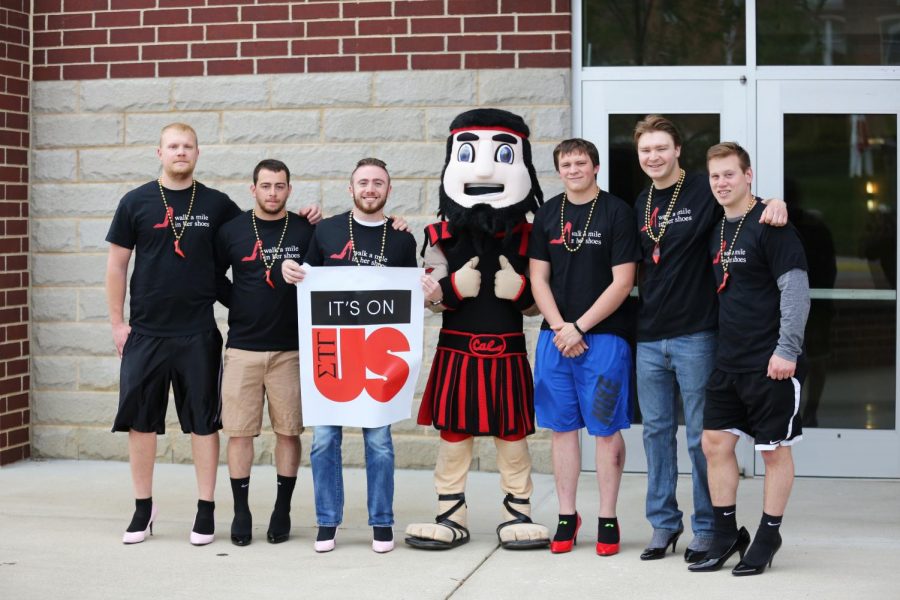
(318, 84)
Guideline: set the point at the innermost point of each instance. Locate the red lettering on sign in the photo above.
(341, 375)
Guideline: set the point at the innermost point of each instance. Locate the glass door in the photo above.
(830, 149)
(705, 111)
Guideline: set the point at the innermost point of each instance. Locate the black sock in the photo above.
(141, 518)
(205, 523)
(608, 530)
(240, 490)
(565, 529)
(766, 540)
(326, 533)
(280, 521)
(285, 492)
(382, 534)
(725, 528)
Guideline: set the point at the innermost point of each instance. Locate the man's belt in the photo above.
(487, 345)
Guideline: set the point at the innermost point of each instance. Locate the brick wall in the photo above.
(99, 39)
(15, 414)
(95, 139)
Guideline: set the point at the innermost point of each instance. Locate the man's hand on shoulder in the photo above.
(775, 213)
(400, 223)
(312, 213)
(120, 332)
(780, 368)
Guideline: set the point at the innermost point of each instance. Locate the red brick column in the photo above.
(15, 71)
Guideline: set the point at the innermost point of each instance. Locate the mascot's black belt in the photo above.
(487, 345)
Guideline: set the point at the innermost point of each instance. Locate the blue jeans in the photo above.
(687, 360)
(328, 479)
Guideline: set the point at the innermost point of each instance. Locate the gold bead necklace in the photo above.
(721, 255)
(664, 222)
(378, 259)
(259, 245)
(562, 223)
(170, 215)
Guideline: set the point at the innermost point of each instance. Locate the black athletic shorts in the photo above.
(189, 363)
(763, 409)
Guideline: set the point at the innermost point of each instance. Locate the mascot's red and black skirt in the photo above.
(480, 384)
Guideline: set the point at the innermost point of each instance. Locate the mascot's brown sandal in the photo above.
(460, 533)
(519, 518)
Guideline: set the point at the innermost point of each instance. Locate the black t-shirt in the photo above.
(750, 303)
(170, 295)
(578, 278)
(676, 296)
(261, 317)
(330, 246)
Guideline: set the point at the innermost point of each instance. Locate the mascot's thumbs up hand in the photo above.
(467, 280)
(508, 283)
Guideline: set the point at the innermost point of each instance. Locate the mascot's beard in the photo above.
(483, 220)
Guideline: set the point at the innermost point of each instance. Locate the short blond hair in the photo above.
(182, 127)
(726, 149)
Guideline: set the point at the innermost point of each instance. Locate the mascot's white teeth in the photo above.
(480, 189)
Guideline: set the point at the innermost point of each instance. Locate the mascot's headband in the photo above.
(492, 128)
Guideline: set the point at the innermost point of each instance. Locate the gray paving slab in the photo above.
(61, 524)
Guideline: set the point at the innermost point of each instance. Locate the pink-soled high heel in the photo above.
(136, 537)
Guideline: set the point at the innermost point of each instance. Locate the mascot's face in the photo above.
(486, 167)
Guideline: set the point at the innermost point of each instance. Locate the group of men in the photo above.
(722, 309)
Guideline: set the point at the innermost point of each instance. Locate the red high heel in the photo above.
(563, 546)
(608, 549)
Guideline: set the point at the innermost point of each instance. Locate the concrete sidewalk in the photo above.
(61, 524)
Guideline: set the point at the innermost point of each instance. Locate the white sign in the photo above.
(360, 344)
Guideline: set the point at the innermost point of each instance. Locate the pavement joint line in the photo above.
(463, 581)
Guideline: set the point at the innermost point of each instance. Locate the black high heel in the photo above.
(657, 553)
(744, 568)
(714, 563)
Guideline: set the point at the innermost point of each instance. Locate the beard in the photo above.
(483, 219)
(261, 206)
(482, 222)
(361, 206)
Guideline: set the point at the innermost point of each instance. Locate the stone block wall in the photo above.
(95, 139)
(15, 72)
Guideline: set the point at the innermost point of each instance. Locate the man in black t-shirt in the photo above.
(261, 356)
(360, 236)
(676, 329)
(754, 391)
(583, 252)
(171, 337)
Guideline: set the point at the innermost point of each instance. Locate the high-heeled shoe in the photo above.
(691, 556)
(743, 568)
(563, 546)
(714, 563)
(325, 545)
(242, 529)
(657, 553)
(604, 549)
(136, 537)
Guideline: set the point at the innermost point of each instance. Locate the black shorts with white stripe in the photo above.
(753, 405)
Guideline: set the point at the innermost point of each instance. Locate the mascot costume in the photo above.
(480, 382)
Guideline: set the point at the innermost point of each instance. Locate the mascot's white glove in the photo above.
(508, 284)
(467, 280)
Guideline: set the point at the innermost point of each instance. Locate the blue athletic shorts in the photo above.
(592, 390)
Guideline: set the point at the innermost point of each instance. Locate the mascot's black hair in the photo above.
(482, 218)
